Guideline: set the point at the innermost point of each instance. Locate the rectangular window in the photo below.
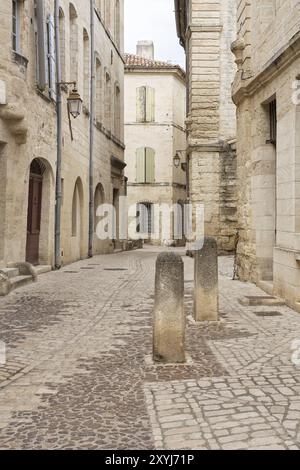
(145, 104)
(145, 218)
(273, 122)
(15, 26)
(51, 57)
(145, 165)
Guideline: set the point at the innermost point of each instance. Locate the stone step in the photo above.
(266, 286)
(259, 300)
(11, 272)
(43, 269)
(20, 281)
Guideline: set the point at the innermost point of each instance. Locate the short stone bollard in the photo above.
(206, 294)
(169, 318)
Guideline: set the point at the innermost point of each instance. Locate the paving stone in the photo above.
(78, 373)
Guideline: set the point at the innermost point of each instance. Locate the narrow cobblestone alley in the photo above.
(79, 371)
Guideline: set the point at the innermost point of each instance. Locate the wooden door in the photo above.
(34, 218)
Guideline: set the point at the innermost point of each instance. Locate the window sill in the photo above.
(19, 59)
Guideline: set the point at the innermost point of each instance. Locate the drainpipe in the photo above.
(91, 143)
(59, 140)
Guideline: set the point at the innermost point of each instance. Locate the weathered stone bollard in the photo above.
(206, 295)
(169, 318)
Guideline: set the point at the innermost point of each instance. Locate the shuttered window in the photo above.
(145, 165)
(145, 104)
(41, 46)
(15, 26)
(51, 57)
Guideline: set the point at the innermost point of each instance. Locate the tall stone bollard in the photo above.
(206, 295)
(169, 318)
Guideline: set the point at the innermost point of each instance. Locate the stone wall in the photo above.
(166, 135)
(267, 55)
(211, 123)
(28, 128)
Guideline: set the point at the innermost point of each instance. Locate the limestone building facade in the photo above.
(206, 30)
(266, 93)
(28, 125)
(155, 111)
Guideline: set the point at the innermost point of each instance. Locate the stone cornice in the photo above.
(177, 71)
(157, 124)
(244, 87)
(217, 147)
(154, 185)
(193, 28)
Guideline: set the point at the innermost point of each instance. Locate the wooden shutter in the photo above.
(41, 46)
(150, 165)
(51, 57)
(140, 165)
(141, 104)
(150, 104)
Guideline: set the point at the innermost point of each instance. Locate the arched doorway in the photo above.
(77, 222)
(34, 213)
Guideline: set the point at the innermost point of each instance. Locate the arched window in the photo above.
(73, 44)
(86, 69)
(76, 209)
(99, 106)
(145, 165)
(107, 102)
(145, 104)
(98, 201)
(62, 40)
(117, 123)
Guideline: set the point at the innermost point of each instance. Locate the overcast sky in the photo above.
(153, 20)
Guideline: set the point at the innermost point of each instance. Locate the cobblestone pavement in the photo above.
(79, 373)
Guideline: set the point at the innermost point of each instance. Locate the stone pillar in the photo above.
(169, 317)
(206, 302)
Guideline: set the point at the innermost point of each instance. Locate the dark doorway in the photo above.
(146, 220)
(34, 212)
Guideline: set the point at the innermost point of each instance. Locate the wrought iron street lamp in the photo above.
(74, 103)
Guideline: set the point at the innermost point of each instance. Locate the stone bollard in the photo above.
(169, 318)
(206, 299)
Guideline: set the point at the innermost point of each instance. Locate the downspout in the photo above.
(91, 143)
(59, 140)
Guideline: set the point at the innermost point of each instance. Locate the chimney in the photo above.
(145, 49)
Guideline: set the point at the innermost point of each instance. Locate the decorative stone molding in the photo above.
(237, 48)
(14, 116)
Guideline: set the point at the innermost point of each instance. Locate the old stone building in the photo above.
(206, 30)
(266, 93)
(155, 97)
(37, 50)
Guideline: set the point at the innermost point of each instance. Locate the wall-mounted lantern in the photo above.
(74, 103)
(178, 157)
(177, 160)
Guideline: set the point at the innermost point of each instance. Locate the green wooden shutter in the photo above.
(150, 104)
(141, 104)
(140, 165)
(150, 165)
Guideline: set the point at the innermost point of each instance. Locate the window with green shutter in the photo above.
(145, 165)
(145, 104)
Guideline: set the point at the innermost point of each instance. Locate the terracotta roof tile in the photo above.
(132, 61)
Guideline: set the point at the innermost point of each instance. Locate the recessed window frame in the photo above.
(16, 26)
